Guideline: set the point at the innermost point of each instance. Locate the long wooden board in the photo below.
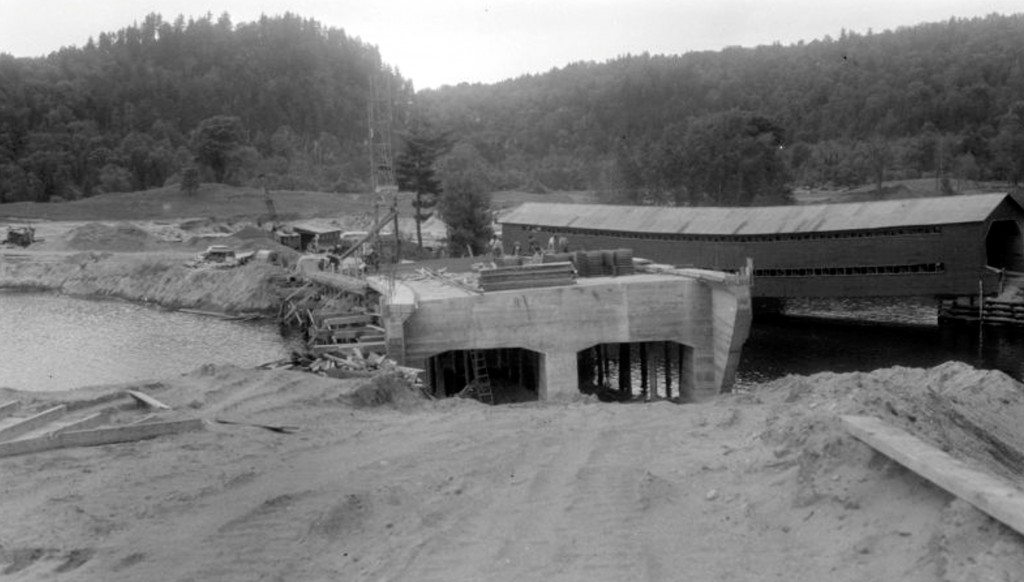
(33, 422)
(147, 400)
(9, 408)
(989, 493)
(99, 436)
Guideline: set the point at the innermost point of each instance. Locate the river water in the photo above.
(867, 334)
(55, 342)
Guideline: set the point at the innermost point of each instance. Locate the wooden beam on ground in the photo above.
(147, 400)
(989, 493)
(32, 423)
(100, 436)
(91, 421)
(9, 408)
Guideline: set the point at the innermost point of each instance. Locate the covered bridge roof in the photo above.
(759, 220)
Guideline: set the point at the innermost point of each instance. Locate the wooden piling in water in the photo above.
(668, 369)
(643, 371)
(625, 377)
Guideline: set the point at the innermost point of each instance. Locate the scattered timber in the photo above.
(990, 494)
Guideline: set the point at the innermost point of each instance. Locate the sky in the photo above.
(447, 42)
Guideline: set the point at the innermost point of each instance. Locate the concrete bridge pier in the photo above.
(706, 313)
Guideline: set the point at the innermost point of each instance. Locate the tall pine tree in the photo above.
(415, 171)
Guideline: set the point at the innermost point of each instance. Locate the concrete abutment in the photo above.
(689, 324)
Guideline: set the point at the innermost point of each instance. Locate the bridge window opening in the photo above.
(1004, 246)
(637, 372)
(493, 376)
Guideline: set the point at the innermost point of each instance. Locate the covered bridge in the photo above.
(939, 246)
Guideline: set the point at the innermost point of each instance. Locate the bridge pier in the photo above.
(706, 313)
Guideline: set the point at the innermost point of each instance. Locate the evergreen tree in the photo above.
(464, 204)
(415, 171)
(217, 142)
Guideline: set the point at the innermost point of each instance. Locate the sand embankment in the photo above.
(759, 485)
(160, 278)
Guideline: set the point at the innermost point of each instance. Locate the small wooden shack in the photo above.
(326, 235)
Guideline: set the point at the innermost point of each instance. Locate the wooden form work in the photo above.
(988, 493)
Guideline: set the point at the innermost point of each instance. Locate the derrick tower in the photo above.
(382, 169)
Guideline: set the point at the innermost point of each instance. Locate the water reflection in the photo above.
(867, 334)
(54, 342)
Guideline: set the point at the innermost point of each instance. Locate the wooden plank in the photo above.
(91, 421)
(341, 346)
(989, 493)
(147, 400)
(347, 320)
(100, 436)
(33, 422)
(9, 408)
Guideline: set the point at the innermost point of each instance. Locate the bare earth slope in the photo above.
(753, 486)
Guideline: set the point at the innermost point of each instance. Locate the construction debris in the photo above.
(348, 363)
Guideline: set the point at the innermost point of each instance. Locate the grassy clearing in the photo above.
(229, 202)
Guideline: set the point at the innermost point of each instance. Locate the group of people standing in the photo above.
(556, 244)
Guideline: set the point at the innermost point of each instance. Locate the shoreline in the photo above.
(156, 279)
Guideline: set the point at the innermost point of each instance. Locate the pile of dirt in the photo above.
(119, 237)
(390, 388)
(758, 485)
(971, 413)
(205, 226)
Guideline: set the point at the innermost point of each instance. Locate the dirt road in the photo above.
(748, 487)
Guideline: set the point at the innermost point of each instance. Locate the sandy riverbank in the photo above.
(146, 262)
(157, 278)
(760, 485)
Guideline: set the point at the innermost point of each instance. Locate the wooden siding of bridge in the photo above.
(924, 260)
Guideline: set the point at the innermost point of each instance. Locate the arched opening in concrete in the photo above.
(507, 374)
(1004, 245)
(637, 371)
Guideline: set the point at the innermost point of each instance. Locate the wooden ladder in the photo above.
(483, 381)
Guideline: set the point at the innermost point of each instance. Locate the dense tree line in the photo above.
(284, 97)
(933, 99)
(287, 99)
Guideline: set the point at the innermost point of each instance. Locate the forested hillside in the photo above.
(746, 123)
(283, 96)
(287, 98)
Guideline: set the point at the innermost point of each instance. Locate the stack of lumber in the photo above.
(603, 263)
(336, 332)
(621, 262)
(527, 276)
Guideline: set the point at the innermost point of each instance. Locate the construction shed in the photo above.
(943, 246)
(325, 234)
